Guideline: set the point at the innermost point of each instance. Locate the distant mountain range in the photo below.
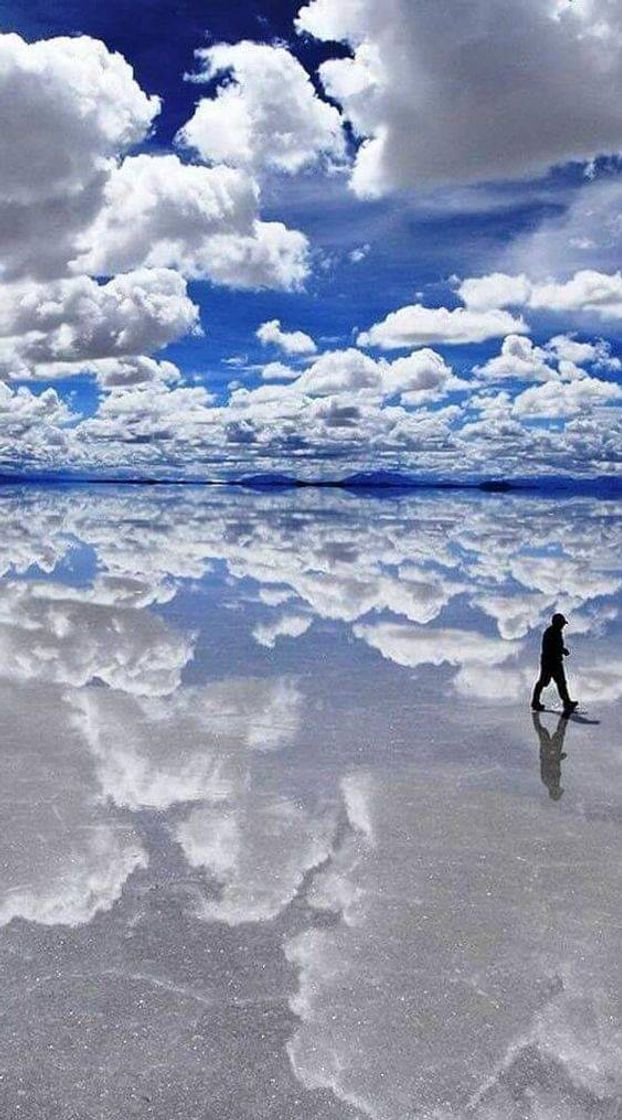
(368, 481)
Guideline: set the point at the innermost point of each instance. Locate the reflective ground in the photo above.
(280, 836)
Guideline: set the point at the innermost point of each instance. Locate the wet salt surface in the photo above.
(280, 836)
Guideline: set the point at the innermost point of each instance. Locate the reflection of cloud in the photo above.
(456, 966)
(286, 626)
(461, 942)
(342, 555)
(516, 614)
(602, 678)
(116, 591)
(503, 683)
(258, 850)
(154, 751)
(63, 859)
(32, 534)
(48, 633)
(415, 645)
(562, 575)
(343, 558)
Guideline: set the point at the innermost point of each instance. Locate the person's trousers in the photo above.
(550, 673)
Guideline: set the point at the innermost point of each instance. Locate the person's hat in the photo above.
(559, 619)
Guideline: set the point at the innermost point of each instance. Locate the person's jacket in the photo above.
(552, 646)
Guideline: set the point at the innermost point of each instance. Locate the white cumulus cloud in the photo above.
(599, 293)
(568, 399)
(290, 342)
(202, 221)
(69, 108)
(77, 321)
(468, 93)
(265, 112)
(417, 325)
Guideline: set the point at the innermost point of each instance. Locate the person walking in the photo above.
(552, 666)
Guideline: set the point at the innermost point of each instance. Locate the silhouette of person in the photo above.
(551, 754)
(552, 666)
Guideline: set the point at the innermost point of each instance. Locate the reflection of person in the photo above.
(552, 665)
(551, 754)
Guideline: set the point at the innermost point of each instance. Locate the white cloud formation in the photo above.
(337, 371)
(520, 359)
(148, 221)
(336, 418)
(358, 254)
(277, 371)
(470, 94)
(416, 325)
(32, 425)
(270, 333)
(70, 323)
(588, 291)
(74, 204)
(202, 221)
(485, 293)
(20, 410)
(584, 233)
(285, 626)
(598, 353)
(69, 108)
(560, 400)
(421, 373)
(555, 364)
(115, 373)
(270, 256)
(265, 113)
(160, 212)
(151, 411)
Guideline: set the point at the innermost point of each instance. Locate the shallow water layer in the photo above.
(280, 835)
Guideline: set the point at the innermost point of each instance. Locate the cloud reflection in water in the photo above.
(452, 930)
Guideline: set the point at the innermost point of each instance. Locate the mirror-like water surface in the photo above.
(280, 836)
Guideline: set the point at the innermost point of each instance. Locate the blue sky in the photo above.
(437, 144)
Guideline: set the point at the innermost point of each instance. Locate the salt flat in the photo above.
(280, 835)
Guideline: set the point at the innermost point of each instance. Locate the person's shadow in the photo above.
(551, 753)
(575, 717)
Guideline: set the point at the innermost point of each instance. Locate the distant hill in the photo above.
(371, 482)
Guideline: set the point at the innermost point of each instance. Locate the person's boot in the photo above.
(570, 706)
(536, 706)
